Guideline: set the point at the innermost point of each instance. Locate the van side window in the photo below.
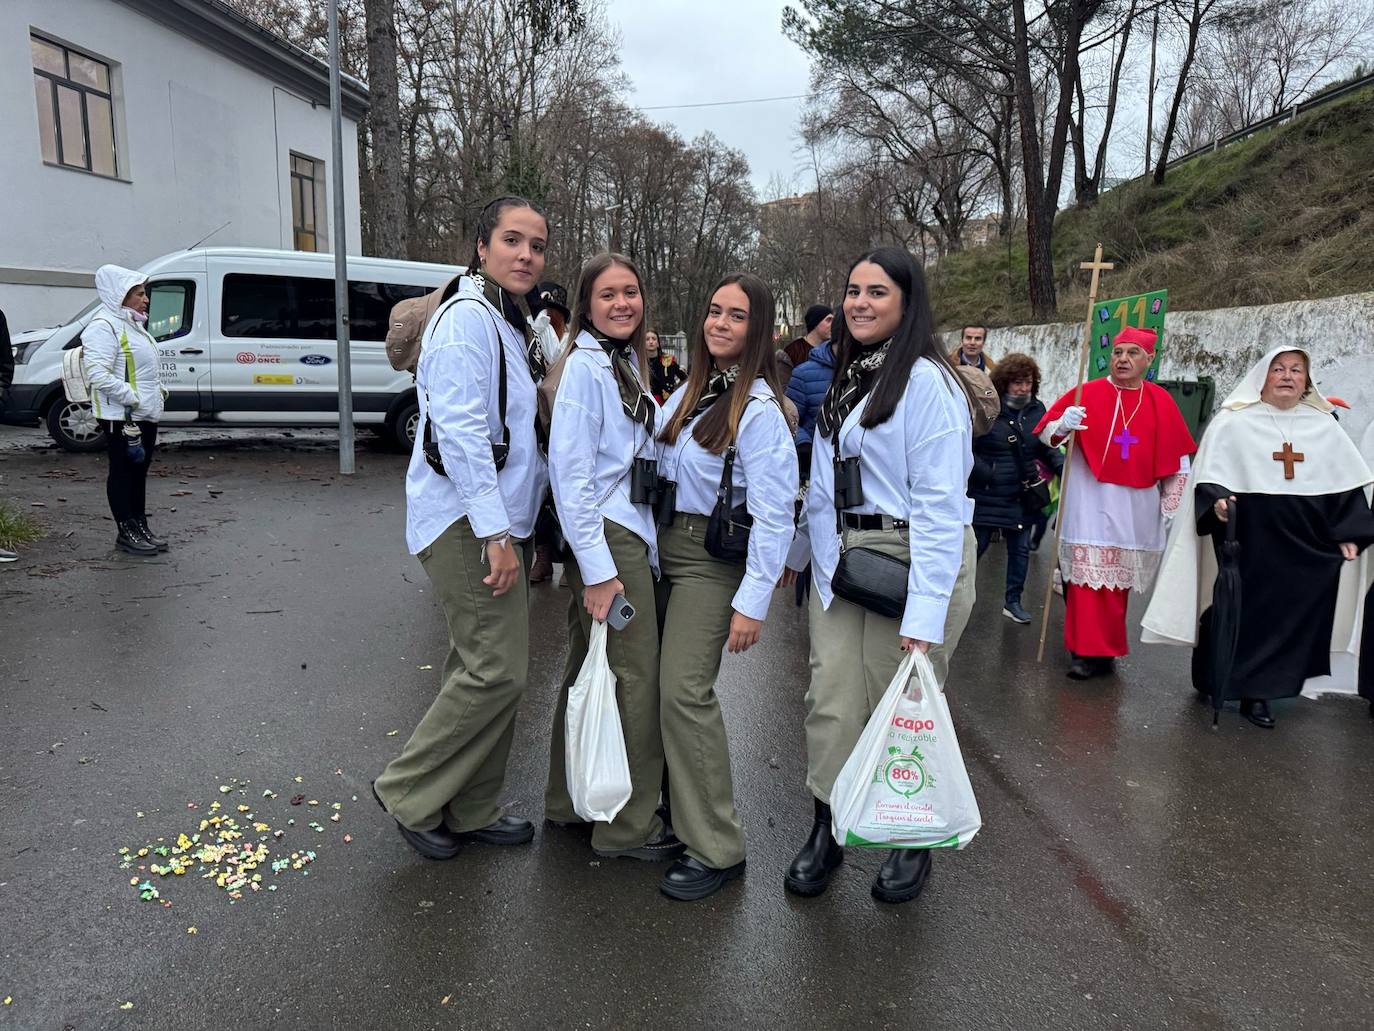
(171, 308)
(302, 308)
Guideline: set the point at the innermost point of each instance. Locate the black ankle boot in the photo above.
(131, 539)
(902, 875)
(158, 542)
(818, 859)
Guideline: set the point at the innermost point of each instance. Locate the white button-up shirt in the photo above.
(764, 480)
(458, 381)
(915, 466)
(592, 444)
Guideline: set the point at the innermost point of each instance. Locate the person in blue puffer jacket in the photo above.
(810, 380)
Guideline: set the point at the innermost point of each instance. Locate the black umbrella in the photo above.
(1226, 607)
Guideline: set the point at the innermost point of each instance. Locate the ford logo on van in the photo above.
(316, 359)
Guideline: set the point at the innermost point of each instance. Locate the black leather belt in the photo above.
(872, 522)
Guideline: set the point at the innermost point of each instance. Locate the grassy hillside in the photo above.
(1285, 215)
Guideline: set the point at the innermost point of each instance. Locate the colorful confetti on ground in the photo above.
(236, 857)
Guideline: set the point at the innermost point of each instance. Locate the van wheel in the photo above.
(403, 427)
(74, 426)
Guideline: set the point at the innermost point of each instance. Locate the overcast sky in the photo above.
(695, 51)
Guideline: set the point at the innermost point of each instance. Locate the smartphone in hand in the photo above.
(621, 613)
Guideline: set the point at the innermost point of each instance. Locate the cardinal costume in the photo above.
(1301, 490)
(1128, 470)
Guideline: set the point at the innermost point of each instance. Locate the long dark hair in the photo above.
(490, 218)
(913, 338)
(582, 303)
(718, 425)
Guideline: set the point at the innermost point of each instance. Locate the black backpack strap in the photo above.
(500, 397)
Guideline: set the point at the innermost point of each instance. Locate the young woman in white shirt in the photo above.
(603, 472)
(729, 411)
(895, 427)
(473, 490)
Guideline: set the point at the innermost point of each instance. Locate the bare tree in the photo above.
(1087, 180)
(388, 207)
(1268, 57)
(994, 46)
(1194, 16)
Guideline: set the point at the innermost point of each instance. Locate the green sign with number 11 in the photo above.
(1110, 317)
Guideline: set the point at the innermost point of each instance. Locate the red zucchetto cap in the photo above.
(1131, 335)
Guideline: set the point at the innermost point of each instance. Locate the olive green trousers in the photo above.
(855, 653)
(454, 765)
(633, 656)
(695, 592)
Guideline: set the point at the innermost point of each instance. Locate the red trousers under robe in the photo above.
(1095, 621)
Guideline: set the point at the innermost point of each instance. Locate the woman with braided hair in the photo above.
(889, 468)
(727, 421)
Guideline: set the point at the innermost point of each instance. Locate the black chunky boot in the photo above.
(158, 542)
(131, 539)
(818, 859)
(902, 875)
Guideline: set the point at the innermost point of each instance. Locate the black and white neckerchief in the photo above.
(516, 311)
(638, 405)
(716, 386)
(859, 376)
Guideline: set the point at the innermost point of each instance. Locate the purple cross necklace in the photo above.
(1125, 439)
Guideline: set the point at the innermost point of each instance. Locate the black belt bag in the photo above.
(727, 531)
(868, 578)
(871, 580)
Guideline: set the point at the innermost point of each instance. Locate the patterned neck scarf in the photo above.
(716, 386)
(516, 311)
(638, 405)
(859, 376)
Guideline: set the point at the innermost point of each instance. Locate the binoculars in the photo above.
(849, 483)
(644, 481)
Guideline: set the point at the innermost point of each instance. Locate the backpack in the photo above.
(406, 326)
(984, 404)
(76, 382)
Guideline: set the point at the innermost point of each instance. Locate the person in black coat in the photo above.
(1005, 482)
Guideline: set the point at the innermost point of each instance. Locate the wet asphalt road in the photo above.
(1135, 870)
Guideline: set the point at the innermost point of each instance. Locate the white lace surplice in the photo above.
(1113, 536)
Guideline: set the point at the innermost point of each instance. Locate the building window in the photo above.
(75, 108)
(307, 174)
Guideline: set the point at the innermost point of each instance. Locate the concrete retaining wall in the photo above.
(1224, 343)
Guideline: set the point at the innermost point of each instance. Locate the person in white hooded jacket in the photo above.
(120, 358)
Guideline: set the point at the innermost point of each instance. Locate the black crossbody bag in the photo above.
(500, 449)
(868, 578)
(727, 530)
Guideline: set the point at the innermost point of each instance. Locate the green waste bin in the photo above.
(1196, 400)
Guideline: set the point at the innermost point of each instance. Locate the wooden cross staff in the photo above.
(1096, 266)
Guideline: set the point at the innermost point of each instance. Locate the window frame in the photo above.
(82, 89)
(189, 306)
(323, 289)
(296, 180)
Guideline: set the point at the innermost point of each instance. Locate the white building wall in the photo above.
(205, 140)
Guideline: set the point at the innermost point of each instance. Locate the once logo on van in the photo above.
(249, 358)
(316, 359)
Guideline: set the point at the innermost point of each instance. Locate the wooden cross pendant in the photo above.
(1288, 457)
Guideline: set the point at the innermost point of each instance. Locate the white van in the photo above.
(246, 338)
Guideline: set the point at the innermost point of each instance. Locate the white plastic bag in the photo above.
(904, 785)
(595, 761)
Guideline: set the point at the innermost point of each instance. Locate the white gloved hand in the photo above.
(1075, 417)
